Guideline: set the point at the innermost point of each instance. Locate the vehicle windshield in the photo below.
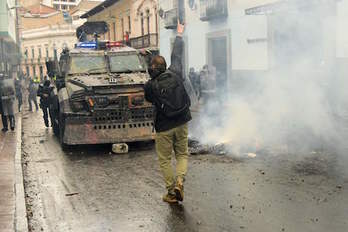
(126, 63)
(87, 64)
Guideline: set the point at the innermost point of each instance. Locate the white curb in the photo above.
(21, 221)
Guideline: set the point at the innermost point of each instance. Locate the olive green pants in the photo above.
(175, 140)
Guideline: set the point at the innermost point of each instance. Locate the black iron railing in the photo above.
(211, 9)
(146, 41)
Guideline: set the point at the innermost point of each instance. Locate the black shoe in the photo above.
(12, 128)
(179, 191)
(4, 130)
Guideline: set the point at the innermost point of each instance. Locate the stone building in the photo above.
(137, 20)
(46, 32)
(9, 52)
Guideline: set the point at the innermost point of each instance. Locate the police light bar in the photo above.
(114, 44)
(88, 45)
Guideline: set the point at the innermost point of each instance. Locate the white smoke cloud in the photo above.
(299, 102)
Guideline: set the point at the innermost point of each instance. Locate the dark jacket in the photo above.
(45, 93)
(163, 123)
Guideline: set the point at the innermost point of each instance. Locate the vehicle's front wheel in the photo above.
(61, 132)
(55, 126)
(54, 109)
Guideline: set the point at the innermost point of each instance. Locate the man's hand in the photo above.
(180, 29)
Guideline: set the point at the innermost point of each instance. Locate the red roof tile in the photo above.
(40, 9)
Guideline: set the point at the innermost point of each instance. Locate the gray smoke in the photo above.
(300, 103)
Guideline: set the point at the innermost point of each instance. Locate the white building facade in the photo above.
(218, 33)
(43, 44)
(245, 38)
(64, 5)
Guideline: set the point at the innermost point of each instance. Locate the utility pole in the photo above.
(18, 37)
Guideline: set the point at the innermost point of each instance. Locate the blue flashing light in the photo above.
(88, 45)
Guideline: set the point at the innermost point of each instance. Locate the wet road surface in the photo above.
(89, 189)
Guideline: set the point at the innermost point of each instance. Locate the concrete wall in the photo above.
(121, 10)
(113, 15)
(9, 57)
(243, 56)
(8, 19)
(26, 3)
(136, 11)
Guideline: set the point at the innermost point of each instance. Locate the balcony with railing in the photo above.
(146, 41)
(213, 9)
(171, 18)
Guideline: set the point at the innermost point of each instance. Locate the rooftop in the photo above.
(84, 5)
(99, 8)
(40, 9)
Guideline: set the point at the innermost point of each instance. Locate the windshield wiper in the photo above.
(127, 70)
(95, 69)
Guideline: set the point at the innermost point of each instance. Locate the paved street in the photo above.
(90, 189)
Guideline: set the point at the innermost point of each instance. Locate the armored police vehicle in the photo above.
(101, 96)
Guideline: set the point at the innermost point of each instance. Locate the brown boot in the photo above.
(179, 190)
(170, 198)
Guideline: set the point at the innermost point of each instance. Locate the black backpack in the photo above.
(171, 97)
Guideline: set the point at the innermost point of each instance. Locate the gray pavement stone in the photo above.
(12, 210)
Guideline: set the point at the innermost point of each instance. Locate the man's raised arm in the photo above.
(178, 50)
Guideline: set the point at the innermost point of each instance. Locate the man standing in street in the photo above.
(195, 81)
(19, 96)
(45, 93)
(32, 95)
(167, 92)
(3, 117)
(7, 101)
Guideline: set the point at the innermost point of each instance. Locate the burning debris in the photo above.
(196, 148)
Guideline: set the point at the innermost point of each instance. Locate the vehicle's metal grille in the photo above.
(123, 126)
(141, 114)
(115, 116)
(121, 116)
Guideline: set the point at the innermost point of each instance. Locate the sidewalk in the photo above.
(11, 181)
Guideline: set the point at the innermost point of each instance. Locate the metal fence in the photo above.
(149, 40)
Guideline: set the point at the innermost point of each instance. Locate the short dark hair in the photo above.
(159, 62)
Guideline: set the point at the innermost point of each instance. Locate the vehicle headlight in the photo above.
(102, 101)
(77, 105)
